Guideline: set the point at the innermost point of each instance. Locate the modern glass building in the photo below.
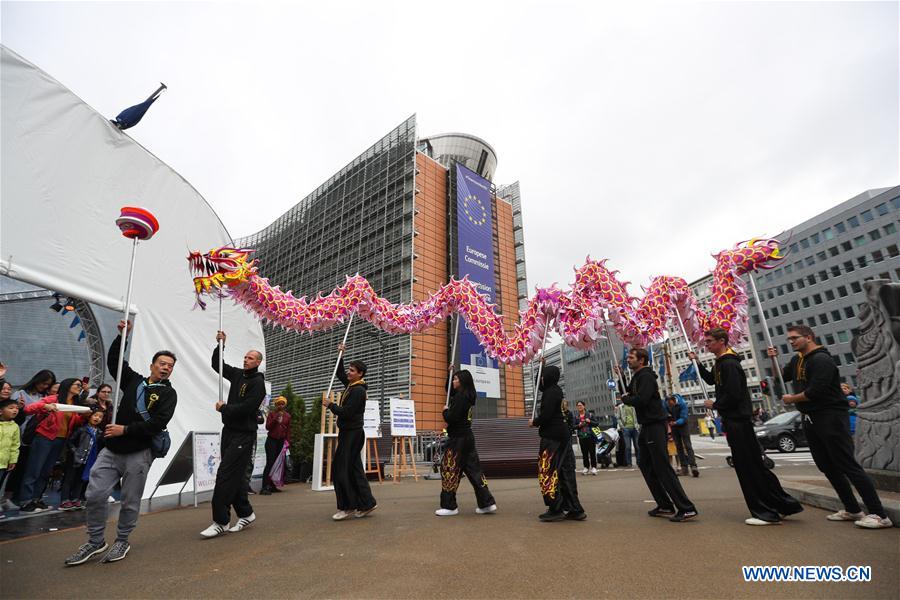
(820, 282)
(587, 372)
(390, 215)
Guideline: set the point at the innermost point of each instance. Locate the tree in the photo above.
(311, 426)
(297, 409)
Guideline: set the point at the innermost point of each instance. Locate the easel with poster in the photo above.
(403, 431)
(372, 427)
(323, 451)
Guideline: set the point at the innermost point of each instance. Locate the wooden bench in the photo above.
(507, 447)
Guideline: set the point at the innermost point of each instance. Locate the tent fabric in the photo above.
(68, 170)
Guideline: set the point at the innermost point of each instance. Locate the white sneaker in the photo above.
(446, 512)
(843, 515)
(242, 523)
(584, 471)
(874, 522)
(111, 500)
(755, 521)
(9, 505)
(487, 510)
(342, 514)
(594, 471)
(213, 530)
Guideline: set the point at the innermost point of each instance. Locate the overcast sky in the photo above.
(650, 134)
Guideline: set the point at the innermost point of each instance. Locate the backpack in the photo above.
(161, 442)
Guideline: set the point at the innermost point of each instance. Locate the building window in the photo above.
(810, 261)
(794, 305)
(790, 287)
(861, 261)
(853, 221)
(877, 256)
(829, 339)
(828, 233)
(859, 240)
(842, 291)
(895, 202)
(823, 276)
(784, 309)
(833, 251)
(848, 312)
(755, 319)
(882, 209)
(892, 250)
(815, 238)
(846, 246)
(854, 285)
(774, 311)
(784, 349)
(890, 229)
(840, 227)
(817, 299)
(820, 256)
(867, 216)
(805, 302)
(800, 284)
(779, 330)
(836, 315)
(829, 295)
(875, 235)
(837, 360)
(811, 279)
(843, 337)
(823, 319)
(849, 358)
(793, 247)
(835, 271)
(804, 243)
(848, 266)
(759, 336)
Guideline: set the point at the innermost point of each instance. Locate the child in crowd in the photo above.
(84, 445)
(9, 435)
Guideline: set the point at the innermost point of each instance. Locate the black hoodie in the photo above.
(247, 391)
(817, 376)
(459, 414)
(352, 405)
(643, 395)
(732, 395)
(551, 420)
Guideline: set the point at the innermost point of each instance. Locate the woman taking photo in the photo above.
(460, 455)
(584, 424)
(36, 388)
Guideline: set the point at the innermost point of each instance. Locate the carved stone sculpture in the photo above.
(877, 350)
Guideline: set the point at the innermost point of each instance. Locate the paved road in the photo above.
(404, 551)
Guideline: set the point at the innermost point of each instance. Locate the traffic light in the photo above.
(765, 388)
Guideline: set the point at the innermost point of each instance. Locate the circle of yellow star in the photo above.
(481, 220)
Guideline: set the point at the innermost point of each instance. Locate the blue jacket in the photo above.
(678, 414)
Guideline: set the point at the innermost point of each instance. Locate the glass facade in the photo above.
(468, 150)
(360, 220)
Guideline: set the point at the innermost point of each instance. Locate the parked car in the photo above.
(782, 432)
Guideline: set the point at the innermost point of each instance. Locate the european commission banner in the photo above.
(475, 252)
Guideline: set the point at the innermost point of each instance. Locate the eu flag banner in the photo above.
(689, 374)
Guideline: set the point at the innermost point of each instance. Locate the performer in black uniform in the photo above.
(460, 455)
(766, 499)
(556, 461)
(351, 488)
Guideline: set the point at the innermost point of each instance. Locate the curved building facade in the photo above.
(471, 152)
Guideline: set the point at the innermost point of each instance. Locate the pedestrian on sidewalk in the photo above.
(643, 395)
(766, 499)
(556, 459)
(460, 453)
(145, 409)
(681, 434)
(629, 426)
(278, 425)
(247, 389)
(710, 425)
(351, 487)
(827, 427)
(587, 441)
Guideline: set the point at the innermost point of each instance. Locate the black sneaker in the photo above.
(275, 489)
(41, 505)
(683, 515)
(29, 507)
(661, 512)
(550, 516)
(695, 472)
(265, 492)
(576, 516)
(85, 553)
(118, 551)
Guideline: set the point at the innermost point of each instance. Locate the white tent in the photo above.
(66, 168)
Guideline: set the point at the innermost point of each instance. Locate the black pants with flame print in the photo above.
(556, 475)
(462, 457)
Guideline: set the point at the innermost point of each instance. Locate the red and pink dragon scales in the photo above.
(577, 315)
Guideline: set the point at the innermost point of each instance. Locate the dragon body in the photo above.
(579, 315)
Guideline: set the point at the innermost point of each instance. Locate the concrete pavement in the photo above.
(404, 551)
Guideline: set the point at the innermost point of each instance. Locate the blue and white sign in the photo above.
(403, 417)
(475, 253)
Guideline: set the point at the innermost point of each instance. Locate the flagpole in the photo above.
(691, 349)
(452, 357)
(537, 384)
(765, 326)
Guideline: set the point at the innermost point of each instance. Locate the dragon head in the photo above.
(221, 268)
(758, 253)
